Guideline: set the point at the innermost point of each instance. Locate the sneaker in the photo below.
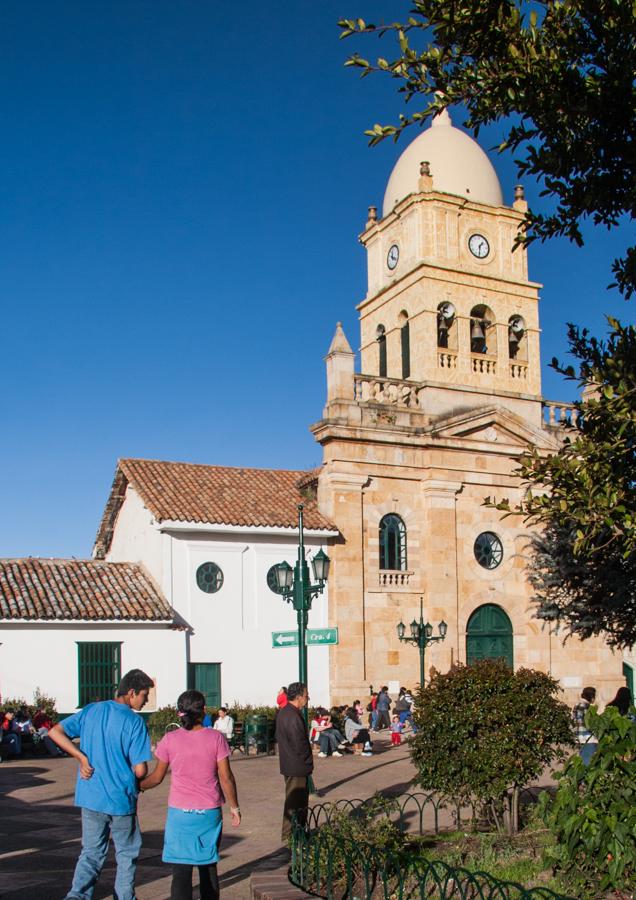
(342, 746)
(367, 746)
(366, 753)
(335, 753)
(322, 755)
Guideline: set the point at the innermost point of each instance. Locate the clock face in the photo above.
(393, 256)
(478, 246)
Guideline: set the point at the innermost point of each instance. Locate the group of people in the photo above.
(113, 756)
(18, 732)
(331, 740)
(380, 716)
(587, 744)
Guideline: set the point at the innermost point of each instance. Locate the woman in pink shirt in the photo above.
(199, 761)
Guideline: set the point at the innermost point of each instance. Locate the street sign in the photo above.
(321, 636)
(284, 638)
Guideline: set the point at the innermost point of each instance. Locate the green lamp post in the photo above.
(296, 588)
(421, 636)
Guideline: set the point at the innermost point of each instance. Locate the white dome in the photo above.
(458, 165)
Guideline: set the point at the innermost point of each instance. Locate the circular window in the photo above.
(272, 584)
(488, 550)
(209, 578)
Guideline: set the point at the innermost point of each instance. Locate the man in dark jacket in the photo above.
(294, 754)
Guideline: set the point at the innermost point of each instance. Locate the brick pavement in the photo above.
(40, 827)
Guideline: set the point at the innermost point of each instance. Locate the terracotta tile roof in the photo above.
(72, 589)
(219, 495)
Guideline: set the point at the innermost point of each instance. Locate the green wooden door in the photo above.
(206, 677)
(628, 672)
(489, 635)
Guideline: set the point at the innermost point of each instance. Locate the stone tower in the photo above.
(448, 396)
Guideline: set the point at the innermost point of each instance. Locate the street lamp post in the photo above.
(296, 588)
(421, 636)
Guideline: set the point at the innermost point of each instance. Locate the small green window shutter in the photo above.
(406, 350)
(98, 670)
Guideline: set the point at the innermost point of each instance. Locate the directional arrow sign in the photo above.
(321, 636)
(284, 638)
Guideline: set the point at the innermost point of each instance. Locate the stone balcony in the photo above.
(559, 415)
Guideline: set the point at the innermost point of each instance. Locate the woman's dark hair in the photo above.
(351, 713)
(191, 709)
(223, 709)
(622, 701)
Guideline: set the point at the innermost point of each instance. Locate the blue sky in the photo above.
(181, 190)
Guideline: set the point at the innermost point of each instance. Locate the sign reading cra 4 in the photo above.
(321, 636)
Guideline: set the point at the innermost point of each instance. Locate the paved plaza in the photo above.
(40, 827)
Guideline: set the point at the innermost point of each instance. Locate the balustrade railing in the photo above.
(387, 391)
(446, 359)
(393, 578)
(518, 371)
(483, 365)
(559, 415)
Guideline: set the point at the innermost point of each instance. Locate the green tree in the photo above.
(583, 560)
(485, 732)
(559, 74)
(593, 815)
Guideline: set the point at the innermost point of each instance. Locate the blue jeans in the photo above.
(587, 751)
(13, 740)
(97, 828)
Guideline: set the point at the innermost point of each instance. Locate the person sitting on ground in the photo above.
(622, 701)
(43, 723)
(396, 731)
(11, 736)
(357, 736)
(224, 723)
(325, 735)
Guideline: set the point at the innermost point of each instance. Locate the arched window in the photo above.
(446, 326)
(392, 543)
(489, 635)
(380, 336)
(483, 336)
(517, 341)
(405, 340)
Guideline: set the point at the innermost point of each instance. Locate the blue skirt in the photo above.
(192, 838)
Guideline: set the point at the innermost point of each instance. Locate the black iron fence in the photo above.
(333, 864)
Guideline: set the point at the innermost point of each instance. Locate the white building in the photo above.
(178, 587)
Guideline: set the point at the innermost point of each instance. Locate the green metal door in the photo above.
(628, 672)
(489, 635)
(206, 677)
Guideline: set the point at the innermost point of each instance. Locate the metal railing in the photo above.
(332, 865)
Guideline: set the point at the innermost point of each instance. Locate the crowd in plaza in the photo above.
(112, 747)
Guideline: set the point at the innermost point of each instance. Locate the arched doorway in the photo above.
(489, 635)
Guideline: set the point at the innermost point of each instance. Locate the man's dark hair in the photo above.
(385, 687)
(136, 681)
(589, 694)
(296, 689)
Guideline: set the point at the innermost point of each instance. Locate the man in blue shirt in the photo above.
(113, 754)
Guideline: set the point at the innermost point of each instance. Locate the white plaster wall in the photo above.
(45, 656)
(234, 626)
(135, 539)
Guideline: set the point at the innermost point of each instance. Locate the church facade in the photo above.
(448, 397)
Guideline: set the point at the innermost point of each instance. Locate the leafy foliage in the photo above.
(593, 816)
(484, 732)
(583, 564)
(40, 699)
(560, 74)
(159, 720)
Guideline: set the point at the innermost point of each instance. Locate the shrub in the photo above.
(593, 815)
(40, 699)
(158, 721)
(484, 732)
